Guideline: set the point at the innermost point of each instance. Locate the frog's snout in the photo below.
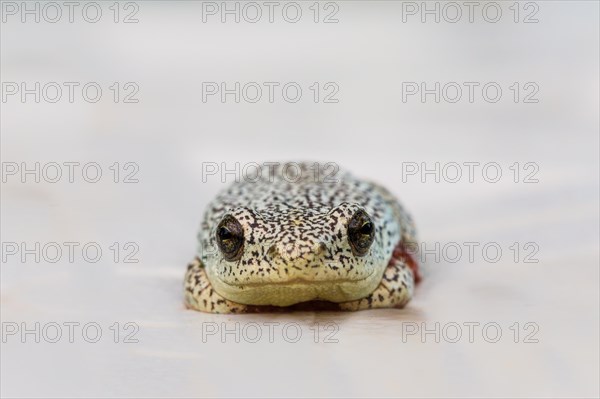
(294, 251)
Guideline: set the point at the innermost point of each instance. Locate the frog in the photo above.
(284, 241)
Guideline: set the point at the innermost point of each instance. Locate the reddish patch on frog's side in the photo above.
(402, 253)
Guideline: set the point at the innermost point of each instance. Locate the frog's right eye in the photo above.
(230, 238)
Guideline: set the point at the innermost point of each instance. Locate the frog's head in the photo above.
(283, 256)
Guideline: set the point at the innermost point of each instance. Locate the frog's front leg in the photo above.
(394, 290)
(200, 295)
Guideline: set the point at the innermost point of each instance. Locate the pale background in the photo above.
(171, 132)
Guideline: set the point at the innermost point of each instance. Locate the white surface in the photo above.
(370, 131)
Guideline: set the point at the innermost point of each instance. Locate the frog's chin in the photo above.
(296, 291)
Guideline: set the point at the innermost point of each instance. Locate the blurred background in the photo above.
(157, 121)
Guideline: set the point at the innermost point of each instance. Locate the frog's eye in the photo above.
(230, 238)
(361, 233)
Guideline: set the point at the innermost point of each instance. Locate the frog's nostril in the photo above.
(321, 248)
(273, 252)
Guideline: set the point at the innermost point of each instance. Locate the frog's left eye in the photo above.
(361, 233)
(230, 238)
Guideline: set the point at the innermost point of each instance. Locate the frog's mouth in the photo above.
(297, 290)
(298, 280)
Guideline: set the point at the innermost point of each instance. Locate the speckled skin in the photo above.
(296, 252)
